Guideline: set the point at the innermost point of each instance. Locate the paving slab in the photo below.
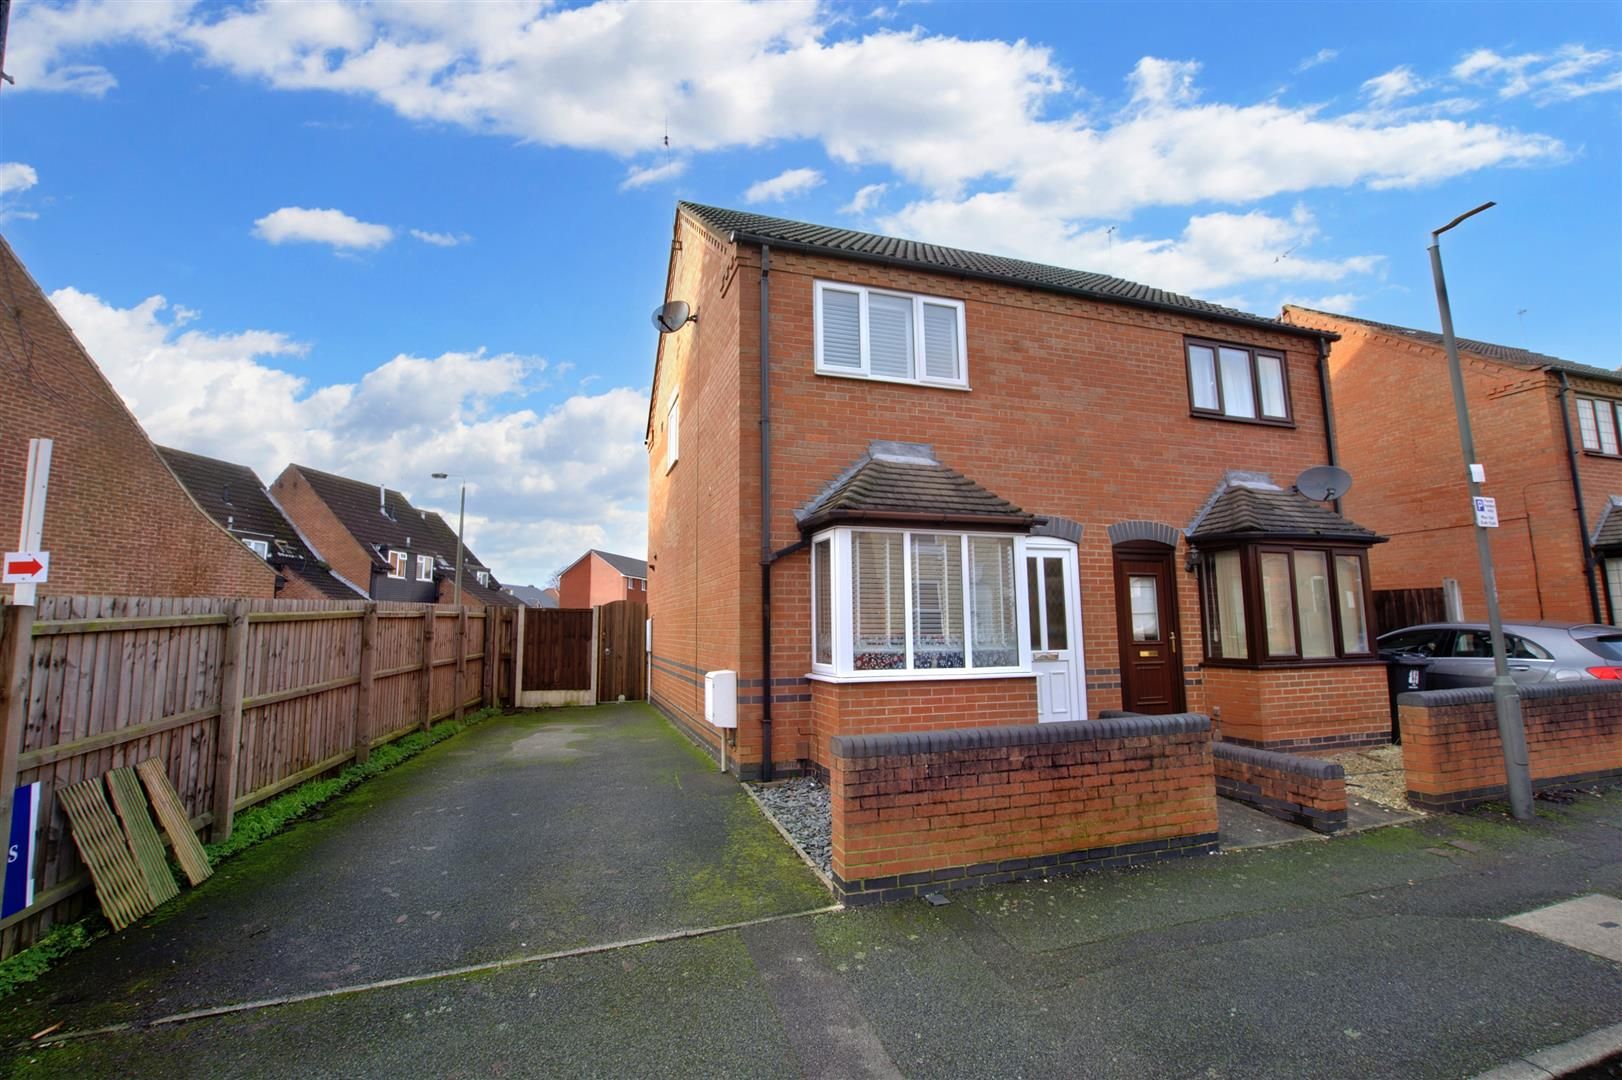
(1592, 923)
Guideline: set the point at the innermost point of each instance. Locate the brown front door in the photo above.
(1146, 620)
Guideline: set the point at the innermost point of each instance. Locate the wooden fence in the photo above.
(557, 649)
(240, 700)
(1397, 608)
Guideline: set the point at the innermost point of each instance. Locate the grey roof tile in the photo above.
(625, 564)
(908, 485)
(1608, 532)
(1245, 511)
(358, 509)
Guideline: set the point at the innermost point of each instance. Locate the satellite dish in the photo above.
(1323, 482)
(668, 318)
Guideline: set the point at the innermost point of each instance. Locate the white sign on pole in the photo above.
(1486, 512)
(25, 567)
(31, 535)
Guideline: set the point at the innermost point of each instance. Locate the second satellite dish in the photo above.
(1324, 482)
(668, 318)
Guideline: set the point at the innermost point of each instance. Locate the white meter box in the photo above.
(721, 698)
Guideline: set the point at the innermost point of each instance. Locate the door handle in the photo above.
(1520, 667)
(1174, 641)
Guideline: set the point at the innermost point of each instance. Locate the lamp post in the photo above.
(1511, 729)
(461, 520)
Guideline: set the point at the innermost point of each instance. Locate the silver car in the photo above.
(1460, 653)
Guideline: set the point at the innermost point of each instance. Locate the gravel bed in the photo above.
(1377, 775)
(801, 806)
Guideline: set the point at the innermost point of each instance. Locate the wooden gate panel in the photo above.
(1397, 608)
(622, 656)
(557, 649)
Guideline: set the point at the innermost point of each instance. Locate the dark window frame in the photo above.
(1250, 553)
(1220, 412)
(1615, 407)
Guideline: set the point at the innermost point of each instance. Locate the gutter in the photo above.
(1577, 490)
(767, 557)
(1235, 319)
(922, 517)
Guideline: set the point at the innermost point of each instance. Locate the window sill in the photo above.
(1601, 454)
(1252, 421)
(920, 676)
(856, 377)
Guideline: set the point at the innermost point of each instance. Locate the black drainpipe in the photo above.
(1577, 490)
(766, 556)
(1329, 406)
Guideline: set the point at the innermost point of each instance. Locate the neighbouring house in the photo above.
(1548, 434)
(372, 534)
(530, 596)
(989, 492)
(117, 521)
(601, 577)
(233, 496)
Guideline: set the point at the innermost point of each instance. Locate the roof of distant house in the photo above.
(872, 247)
(625, 564)
(531, 596)
(234, 497)
(387, 520)
(904, 482)
(1508, 354)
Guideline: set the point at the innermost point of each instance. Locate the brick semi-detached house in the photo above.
(117, 522)
(601, 577)
(1547, 434)
(374, 538)
(994, 493)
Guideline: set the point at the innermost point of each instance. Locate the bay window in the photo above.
(895, 603)
(1278, 603)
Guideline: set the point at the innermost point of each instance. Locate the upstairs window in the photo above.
(1597, 418)
(892, 336)
(483, 576)
(425, 568)
(397, 564)
(260, 548)
(1237, 382)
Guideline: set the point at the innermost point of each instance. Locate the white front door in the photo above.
(1053, 590)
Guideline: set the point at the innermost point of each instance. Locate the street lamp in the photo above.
(461, 519)
(1511, 730)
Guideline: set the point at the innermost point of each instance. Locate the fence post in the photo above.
(363, 698)
(520, 627)
(596, 648)
(487, 673)
(428, 665)
(228, 739)
(461, 660)
(16, 663)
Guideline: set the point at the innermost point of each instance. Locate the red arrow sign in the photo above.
(29, 566)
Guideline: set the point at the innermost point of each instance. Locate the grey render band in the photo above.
(1125, 531)
(984, 738)
(1299, 764)
(1482, 695)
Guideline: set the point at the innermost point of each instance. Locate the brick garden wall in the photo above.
(881, 707)
(1301, 789)
(948, 809)
(1454, 759)
(1301, 709)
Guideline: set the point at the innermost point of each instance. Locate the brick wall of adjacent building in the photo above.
(1307, 791)
(1454, 758)
(941, 810)
(1309, 709)
(592, 582)
(1398, 436)
(879, 707)
(116, 519)
(321, 527)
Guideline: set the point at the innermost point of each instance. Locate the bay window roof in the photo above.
(1608, 533)
(903, 484)
(1249, 506)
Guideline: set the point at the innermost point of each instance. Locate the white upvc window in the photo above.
(425, 568)
(673, 433)
(483, 576)
(867, 333)
(260, 548)
(397, 564)
(898, 604)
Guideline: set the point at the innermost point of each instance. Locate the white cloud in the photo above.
(1572, 71)
(441, 239)
(15, 177)
(295, 224)
(1344, 303)
(1322, 56)
(1399, 82)
(639, 176)
(1156, 83)
(864, 199)
(785, 185)
(544, 483)
(43, 37)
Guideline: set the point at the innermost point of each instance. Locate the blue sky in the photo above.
(397, 239)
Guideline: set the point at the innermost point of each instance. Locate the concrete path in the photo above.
(1380, 954)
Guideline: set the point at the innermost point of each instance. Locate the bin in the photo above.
(1406, 673)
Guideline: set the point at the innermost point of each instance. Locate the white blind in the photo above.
(1202, 377)
(937, 601)
(996, 631)
(940, 342)
(879, 605)
(841, 329)
(822, 589)
(1237, 396)
(1270, 372)
(889, 335)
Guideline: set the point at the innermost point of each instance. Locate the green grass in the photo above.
(251, 827)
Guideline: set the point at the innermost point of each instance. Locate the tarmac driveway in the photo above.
(528, 834)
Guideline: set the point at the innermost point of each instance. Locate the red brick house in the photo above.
(372, 534)
(233, 496)
(601, 577)
(117, 521)
(897, 486)
(1547, 433)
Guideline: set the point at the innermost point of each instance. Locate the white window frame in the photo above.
(865, 371)
(397, 565)
(843, 669)
(483, 576)
(260, 548)
(673, 432)
(425, 561)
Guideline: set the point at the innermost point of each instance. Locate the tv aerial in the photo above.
(1324, 482)
(668, 318)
